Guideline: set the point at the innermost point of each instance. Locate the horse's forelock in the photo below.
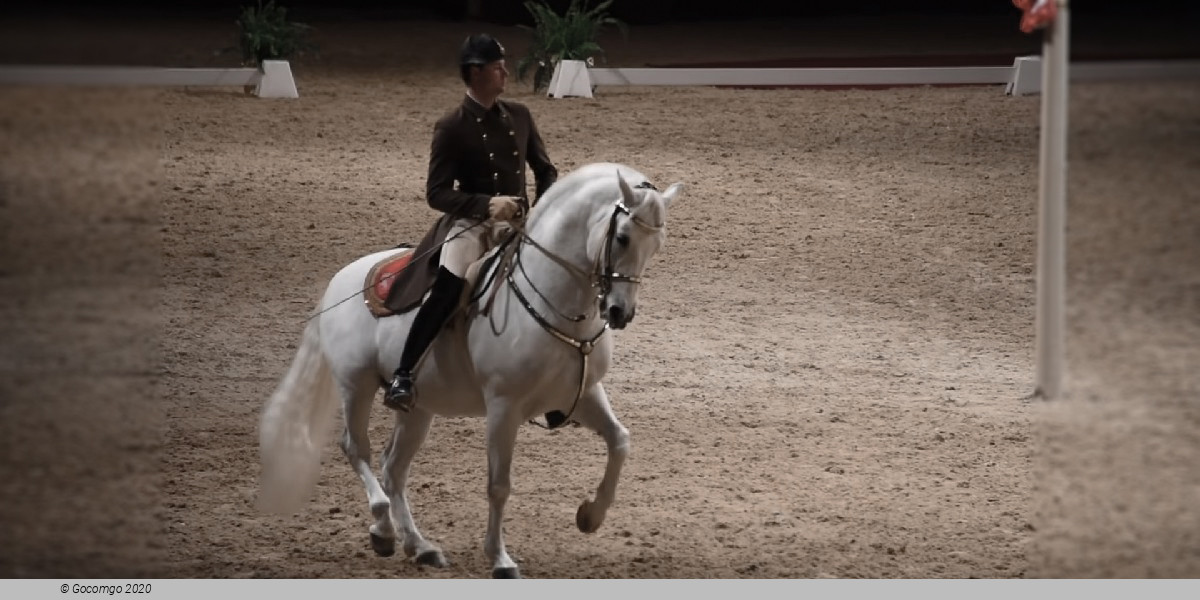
(652, 210)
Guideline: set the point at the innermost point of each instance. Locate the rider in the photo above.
(482, 145)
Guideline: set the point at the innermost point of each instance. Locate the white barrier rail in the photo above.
(816, 77)
(1023, 77)
(273, 80)
(39, 75)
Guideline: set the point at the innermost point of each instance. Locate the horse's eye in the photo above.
(623, 239)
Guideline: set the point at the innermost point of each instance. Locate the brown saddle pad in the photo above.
(383, 275)
(380, 279)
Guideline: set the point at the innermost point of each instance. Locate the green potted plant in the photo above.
(265, 33)
(569, 36)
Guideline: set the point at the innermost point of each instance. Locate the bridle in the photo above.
(604, 279)
(601, 277)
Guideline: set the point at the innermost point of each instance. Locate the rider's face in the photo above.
(490, 78)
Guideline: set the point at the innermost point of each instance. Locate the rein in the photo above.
(598, 277)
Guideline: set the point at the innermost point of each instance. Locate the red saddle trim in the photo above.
(380, 279)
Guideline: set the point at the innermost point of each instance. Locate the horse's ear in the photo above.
(630, 200)
(672, 192)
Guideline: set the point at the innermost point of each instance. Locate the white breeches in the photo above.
(467, 243)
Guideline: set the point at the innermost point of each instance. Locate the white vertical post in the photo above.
(1052, 194)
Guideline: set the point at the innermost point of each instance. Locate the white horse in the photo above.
(543, 347)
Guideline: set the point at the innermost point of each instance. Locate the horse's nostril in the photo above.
(616, 314)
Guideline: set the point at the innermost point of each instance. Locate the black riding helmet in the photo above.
(478, 49)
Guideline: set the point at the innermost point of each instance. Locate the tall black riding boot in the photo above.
(447, 289)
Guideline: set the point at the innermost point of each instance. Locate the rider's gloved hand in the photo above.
(501, 231)
(504, 208)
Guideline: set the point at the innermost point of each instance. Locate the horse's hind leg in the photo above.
(595, 413)
(407, 437)
(356, 444)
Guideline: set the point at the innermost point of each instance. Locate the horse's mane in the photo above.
(590, 181)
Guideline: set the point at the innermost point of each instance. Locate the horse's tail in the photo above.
(297, 423)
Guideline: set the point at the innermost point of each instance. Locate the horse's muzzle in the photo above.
(618, 318)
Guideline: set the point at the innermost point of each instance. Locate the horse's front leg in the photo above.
(502, 426)
(595, 413)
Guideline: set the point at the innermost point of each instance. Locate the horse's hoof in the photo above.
(506, 573)
(583, 518)
(432, 558)
(383, 546)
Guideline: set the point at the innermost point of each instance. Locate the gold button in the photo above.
(491, 155)
(514, 152)
(485, 136)
(495, 175)
(478, 120)
(511, 132)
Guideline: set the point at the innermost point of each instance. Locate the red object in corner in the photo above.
(1037, 13)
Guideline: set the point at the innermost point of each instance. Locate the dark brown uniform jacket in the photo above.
(484, 152)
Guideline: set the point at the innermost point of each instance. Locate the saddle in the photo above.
(380, 279)
(384, 274)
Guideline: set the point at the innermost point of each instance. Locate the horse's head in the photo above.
(632, 233)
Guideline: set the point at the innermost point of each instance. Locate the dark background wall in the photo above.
(630, 11)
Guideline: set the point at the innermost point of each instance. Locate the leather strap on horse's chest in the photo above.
(584, 347)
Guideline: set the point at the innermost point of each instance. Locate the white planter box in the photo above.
(570, 79)
(276, 80)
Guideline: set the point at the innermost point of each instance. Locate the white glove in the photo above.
(503, 208)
